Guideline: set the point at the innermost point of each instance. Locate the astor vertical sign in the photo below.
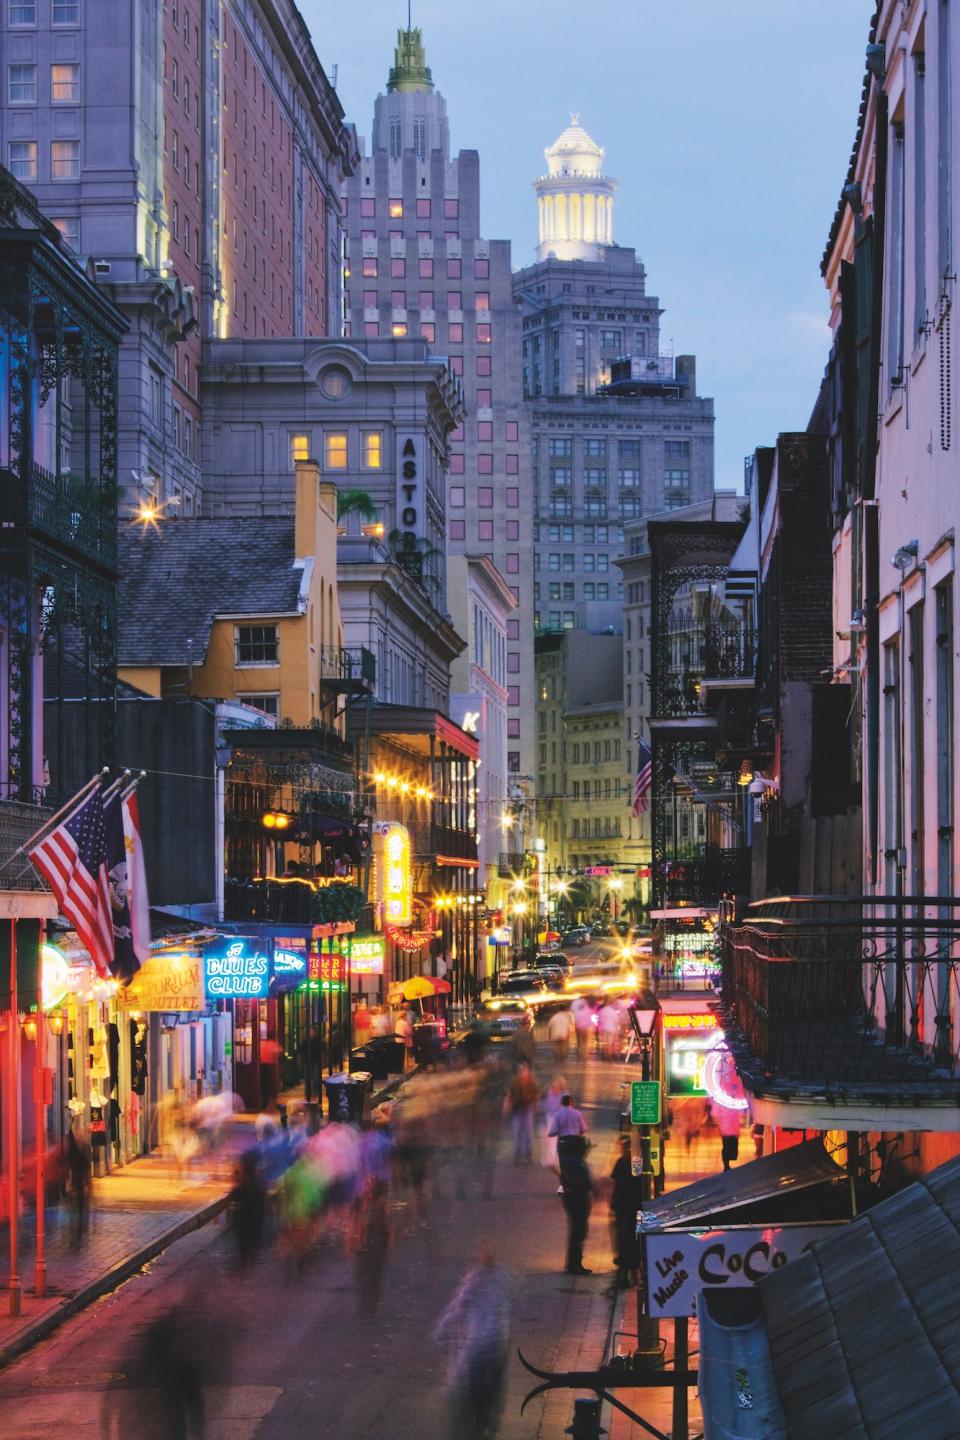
(411, 502)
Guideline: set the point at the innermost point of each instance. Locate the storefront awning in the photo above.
(771, 1177)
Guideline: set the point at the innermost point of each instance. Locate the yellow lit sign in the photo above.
(394, 874)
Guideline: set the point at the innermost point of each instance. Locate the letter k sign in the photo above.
(471, 720)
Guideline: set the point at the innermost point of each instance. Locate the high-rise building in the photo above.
(194, 156)
(617, 428)
(418, 265)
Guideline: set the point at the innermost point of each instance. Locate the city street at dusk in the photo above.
(479, 920)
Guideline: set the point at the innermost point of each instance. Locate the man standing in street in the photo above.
(577, 1187)
(570, 1129)
(728, 1123)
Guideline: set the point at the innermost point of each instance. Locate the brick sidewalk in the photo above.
(137, 1210)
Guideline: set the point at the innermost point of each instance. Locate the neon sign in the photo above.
(394, 873)
(366, 956)
(722, 1081)
(236, 972)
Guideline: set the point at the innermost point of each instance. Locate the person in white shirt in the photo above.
(570, 1129)
(558, 1033)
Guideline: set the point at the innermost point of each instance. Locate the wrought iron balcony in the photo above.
(840, 996)
(292, 901)
(730, 653)
(19, 821)
(65, 508)
(348, 669)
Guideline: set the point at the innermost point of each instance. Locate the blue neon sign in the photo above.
(236, 970)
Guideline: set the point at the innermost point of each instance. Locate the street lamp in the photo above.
(644, 1012)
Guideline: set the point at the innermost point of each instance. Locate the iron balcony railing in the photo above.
(354, 664)
(730, 652)
(833, 992)
(19, 821)
(65, 508)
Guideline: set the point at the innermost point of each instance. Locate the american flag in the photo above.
(641, 787)
(73, 861)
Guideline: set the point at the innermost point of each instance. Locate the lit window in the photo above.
(64, 82)
(257, 645)
(22, 84)
(335, 450)
(395, 209)
(300, 447)
(69, 231)
(398, 329)
(65, 159)
(23, 159)
(372, 450)
(65, 12)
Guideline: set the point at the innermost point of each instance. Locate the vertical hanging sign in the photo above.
(411, 498)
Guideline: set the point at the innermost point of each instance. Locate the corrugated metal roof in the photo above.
(774, 1175)
(864, 1330)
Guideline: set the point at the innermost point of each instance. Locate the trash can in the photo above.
(371, 1059)
(389, 1053)
(429, 1042)
(348, 1096)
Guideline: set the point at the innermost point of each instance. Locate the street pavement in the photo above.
(289, 1353)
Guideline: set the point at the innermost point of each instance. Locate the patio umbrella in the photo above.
(420, 986)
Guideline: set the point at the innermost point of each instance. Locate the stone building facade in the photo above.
(194, 156)
(618, 430)
(419, 266)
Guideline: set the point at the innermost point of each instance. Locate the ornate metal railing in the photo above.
(18, 823)
(348, 662)
(730, 651)
(66, 508)
(833, 991)
(293, 901)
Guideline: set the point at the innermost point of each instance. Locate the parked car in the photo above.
(516, 982)
(578, 935)
(601, 930)
(551, 960)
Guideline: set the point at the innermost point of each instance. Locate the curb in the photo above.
(44, 1325)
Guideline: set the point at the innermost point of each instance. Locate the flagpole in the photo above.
(14, 1290)
(49, 824)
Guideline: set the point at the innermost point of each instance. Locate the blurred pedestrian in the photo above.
(577, 1186)
(80, 1170)
(728, 1123)
(625, 1200)
(403, 1029)
(520, 1106)
(609, 1025)
(247, 1207)
(582, 1012)
(172, 1371)
(373, 1247)
(558, 1033)
(475, 1329)
(570, 1129)
(549, 1106)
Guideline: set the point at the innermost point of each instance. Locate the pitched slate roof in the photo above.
(176, 578)
(864, 1330)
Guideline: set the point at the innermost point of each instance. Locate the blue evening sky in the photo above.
(728, 123)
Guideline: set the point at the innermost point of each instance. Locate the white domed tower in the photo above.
(574, 198)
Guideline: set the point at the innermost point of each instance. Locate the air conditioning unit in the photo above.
(102, 267)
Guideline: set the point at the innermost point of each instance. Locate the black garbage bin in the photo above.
(389, 1053)
(429, 1042)
(348, 1096)
(372, 1059)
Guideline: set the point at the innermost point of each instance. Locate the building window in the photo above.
(65, 159)
(485, 497)
(368, 207)
(484, 334)
(372, 450)
(513, 498)
(484, 464)
(629, 478)
(426, 269)
(453, 269)
(676, 488)
(457, 497)
(513, 431)
(611, 339)
(458, 529)
(398, 329)
(268, 702)
(423, 209)
(513, 662)
(455, 333)
(595, 449)
(65, 12)
(561, 447)
(676, 450)
(23, 159)
(299, 447)
(64, 82)
(369, 267)
(481, 269)
(428, 331)
(398, 269)
(395, 209)
(23, 12)
(451, 209)
(484, 430)
(484, 529)
(335, 450)
(371, 329)
(22, 84)
(257, 645)
(484, 366)
(513, 563)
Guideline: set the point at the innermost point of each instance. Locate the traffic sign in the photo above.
(645, 1102)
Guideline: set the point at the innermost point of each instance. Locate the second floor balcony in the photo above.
(842, 1012)
(19, 821)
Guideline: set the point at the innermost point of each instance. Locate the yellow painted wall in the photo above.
(300, 637)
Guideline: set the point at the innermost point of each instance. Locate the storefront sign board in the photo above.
(236, 969)
(172, 981)
(367, 955)
(681, 1263)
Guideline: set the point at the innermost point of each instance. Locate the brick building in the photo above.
(195, 160)
(419, 265)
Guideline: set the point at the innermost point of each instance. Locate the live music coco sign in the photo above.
(681, 1263)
